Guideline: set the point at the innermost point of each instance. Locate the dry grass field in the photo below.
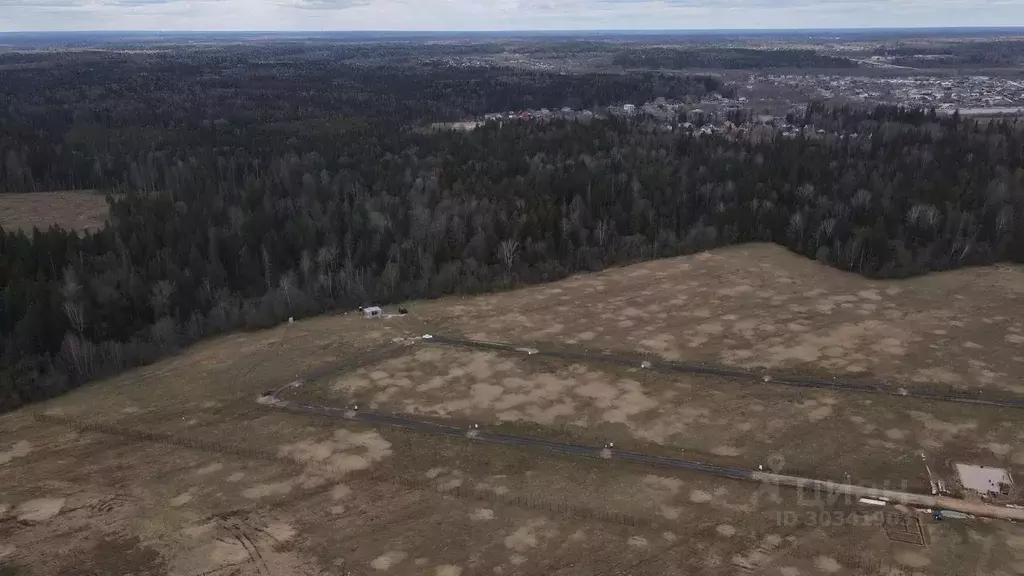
(73, 210)
(873, 438)
(758, 305)
(86, 503)
(174, 469)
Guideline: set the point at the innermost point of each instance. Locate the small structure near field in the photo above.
(985, 480)
(372, 312)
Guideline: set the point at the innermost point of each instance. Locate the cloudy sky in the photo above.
(26, 15)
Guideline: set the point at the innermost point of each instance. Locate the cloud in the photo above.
(141, 2)
(46, 4)
(324, 4)
(777, 4)
(314, 15)
(30, 4)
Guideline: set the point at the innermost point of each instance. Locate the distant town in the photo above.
(969, 94)
(972, 95)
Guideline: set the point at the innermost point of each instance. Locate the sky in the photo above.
(316, 15)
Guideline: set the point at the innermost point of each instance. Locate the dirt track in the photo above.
(924, 392)
(820, 486)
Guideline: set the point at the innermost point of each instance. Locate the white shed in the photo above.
(372, 312)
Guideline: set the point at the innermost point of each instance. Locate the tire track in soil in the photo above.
(239, 532)
(235, 570)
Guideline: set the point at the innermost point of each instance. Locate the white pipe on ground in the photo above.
(919, 500)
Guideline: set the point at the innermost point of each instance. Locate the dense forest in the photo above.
(105, 119)
(252, 184)
(995, 54)
(726, 58)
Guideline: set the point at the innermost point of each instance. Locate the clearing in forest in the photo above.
(760, 306)
(71, 210)
(175, 469)
(872, 438)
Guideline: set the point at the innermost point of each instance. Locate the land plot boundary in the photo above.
(932, 393)
(560, 507)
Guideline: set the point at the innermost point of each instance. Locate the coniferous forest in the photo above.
(248, 184)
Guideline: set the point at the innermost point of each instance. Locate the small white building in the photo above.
(372, 312)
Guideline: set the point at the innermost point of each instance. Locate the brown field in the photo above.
(875, 439)
(174, 469)
(73, 210)
(758, 305)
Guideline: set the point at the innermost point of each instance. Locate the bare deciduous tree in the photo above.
(805, 192)
(72, 306)
(206, 291)
(266, 268)
(326, 258)
(796, 226)
(71, 288)
(306, 267)
(164, 333)
(113, 354)
(862, 199)
(77, 353)
(75, 313)
(924, 216)
(1004, 221)
(601, 232)
(326, 281)
(508, 251)
(160, 297)
(826, 229)
(286, 284)
(390, 275)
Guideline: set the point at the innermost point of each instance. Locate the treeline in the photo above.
(726, 58)
(996, 53)
(211, 237)
(565, 48)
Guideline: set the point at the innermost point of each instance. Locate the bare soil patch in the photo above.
(40, 509)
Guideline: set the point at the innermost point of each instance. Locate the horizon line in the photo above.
(512, 31)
